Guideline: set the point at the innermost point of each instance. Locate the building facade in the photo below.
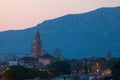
(29, 62)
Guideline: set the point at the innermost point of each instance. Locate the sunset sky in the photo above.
(21, 14)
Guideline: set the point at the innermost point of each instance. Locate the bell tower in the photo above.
(37, 45)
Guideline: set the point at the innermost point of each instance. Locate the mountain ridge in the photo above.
(76, 35)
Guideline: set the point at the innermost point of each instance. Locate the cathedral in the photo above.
(37, 46)
(37, 51)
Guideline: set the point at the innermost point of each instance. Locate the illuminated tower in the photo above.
(37, 45)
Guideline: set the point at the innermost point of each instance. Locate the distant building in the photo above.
(37, 52)
(11, 57)
(108, 55)
(29, 62)
(13, 63)
(37, 46)
(57, 54)
(46, 59)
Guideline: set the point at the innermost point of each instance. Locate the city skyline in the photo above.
(21, 14)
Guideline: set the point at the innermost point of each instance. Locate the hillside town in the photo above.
(96, 68)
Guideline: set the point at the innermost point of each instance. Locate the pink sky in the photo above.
(21, 14)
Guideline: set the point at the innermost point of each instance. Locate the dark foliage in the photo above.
(20, 73)
(116, 71)
(12, 74)
(60, 68)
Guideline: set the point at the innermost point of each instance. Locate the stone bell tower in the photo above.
(37, 46)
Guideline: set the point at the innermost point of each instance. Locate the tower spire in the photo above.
(108, 55)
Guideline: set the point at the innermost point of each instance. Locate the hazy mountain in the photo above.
(76, 35)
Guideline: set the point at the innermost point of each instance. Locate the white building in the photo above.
(13, 63)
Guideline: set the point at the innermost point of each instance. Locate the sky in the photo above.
(21, 14)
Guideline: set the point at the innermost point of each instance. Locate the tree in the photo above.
(44, 75)
(18, 72)
(60, 68)
(12, 74)
(76, 78)
(110, 63)
(116, 71)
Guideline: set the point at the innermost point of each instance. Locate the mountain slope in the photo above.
(76, 35)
